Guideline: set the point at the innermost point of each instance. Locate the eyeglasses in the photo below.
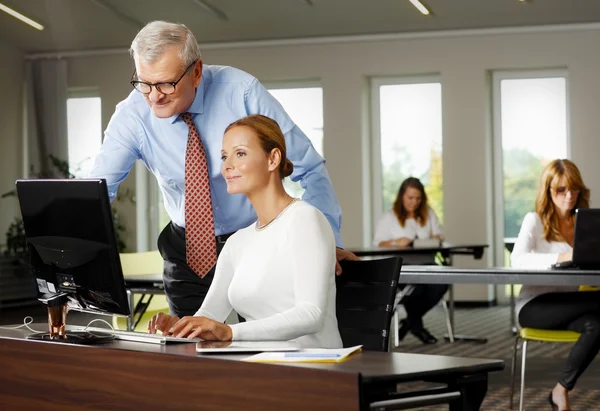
(562, 191)
(167, 87)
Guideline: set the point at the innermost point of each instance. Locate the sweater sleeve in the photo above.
(216, 305)
(310, 260)
(524, 253)
(383, 231)
(436, 227)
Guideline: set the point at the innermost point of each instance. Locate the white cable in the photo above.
(26, 321)
(100, 320)
(29, 319)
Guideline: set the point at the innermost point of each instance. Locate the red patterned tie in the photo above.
(200, 243)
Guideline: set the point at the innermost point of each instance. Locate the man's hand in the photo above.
(205, 328)
(341, 254)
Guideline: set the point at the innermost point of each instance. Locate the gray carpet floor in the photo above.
(544, 360)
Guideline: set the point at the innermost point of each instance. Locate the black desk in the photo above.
(446, 249)
(499, 275)
(125, 375)
(435, 274)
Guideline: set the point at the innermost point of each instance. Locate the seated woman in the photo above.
(546, 237)
(412, 218)
(277, 273)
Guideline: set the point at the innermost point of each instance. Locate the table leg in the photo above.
(513, 319)
(473, 389)
(451, 296)
(459, 337)
(131, 311)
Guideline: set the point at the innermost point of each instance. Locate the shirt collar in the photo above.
(197, 106)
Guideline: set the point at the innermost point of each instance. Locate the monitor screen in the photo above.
(71, 243)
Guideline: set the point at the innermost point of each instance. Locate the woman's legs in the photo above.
(423, 298)
(577, 311)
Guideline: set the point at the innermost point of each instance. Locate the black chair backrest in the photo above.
(365, 301)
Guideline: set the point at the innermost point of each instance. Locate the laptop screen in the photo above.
(586, 244)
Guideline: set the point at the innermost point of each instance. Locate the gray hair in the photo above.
(157, 36)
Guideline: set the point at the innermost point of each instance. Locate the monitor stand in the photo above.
(57, 325)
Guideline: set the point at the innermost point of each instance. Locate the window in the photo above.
(407, 130)
(304, 104)
(84, 130)
(531, 129)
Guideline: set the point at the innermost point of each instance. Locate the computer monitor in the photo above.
(586, 241)
(72, 250)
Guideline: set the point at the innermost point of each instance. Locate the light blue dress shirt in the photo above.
(225, 94)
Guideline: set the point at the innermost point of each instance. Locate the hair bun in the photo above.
(287, 169)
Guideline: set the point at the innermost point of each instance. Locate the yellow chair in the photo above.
(144, 263)
(534, 334)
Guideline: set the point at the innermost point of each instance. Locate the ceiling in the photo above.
(98, 24)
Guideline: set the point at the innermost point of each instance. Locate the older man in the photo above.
(174, 121)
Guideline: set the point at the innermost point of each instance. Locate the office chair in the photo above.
(365, 301)
(534, 334)
(143, 307)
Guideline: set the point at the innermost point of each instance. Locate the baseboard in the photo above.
(475, 304)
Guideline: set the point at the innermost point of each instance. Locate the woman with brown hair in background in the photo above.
(411, 218)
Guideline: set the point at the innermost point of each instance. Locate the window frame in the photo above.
(297, 84)
(79, 93)
(376, 202)
(497, 202)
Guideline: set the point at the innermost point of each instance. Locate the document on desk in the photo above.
(331, 355)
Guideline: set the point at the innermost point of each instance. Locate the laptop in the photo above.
(426, 243)
(237, 347)
(586, 243)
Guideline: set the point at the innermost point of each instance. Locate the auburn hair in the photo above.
(421, 213)
(553, 174)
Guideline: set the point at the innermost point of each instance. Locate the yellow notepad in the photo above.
(307, 355)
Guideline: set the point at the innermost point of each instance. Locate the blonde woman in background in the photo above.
(546, 237)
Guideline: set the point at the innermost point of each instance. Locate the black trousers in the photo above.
(422, 299)
(184, 289)
(575, 311)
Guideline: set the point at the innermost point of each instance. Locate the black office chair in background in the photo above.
(365, 301)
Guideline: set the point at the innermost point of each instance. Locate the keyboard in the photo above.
(137, 337)
(564, 265)
(152, 338)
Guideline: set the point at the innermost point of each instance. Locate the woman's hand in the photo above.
(402, 242)
(205, 328)
(162, 322)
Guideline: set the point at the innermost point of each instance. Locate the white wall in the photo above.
(11, 164)
(464, 64)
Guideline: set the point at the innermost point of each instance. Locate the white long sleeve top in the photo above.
(532, 251)
(280, 279)
(389, 228)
